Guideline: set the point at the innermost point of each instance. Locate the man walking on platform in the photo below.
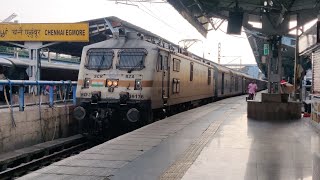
(252, 88)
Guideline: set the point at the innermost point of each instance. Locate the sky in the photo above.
(159, 18)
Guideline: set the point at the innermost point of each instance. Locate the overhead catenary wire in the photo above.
(150, 13)
(232, 35)
(140, 4)
(234, 59)
(177, 31)
(156, 17)
(175, 23)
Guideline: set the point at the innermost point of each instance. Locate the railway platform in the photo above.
(215, 141)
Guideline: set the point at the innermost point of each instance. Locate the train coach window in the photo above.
(191, 71)
(237, 83)
(231, 83)
(222, 83)
(99, 59)
(132, 59)
(176, 65)
(175, 85)
(209, 76)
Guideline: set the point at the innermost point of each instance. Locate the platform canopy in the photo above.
(273, 14)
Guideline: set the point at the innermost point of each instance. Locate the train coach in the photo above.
(130, 80)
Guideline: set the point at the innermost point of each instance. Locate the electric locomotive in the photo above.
(128, 80)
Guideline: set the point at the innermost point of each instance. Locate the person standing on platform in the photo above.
(286, 88)
(252, 88)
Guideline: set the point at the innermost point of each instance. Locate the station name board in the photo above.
(73, 32)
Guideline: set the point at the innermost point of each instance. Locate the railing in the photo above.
(70, 85)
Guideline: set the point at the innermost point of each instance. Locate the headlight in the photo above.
(138, 84)
(115, 83)
(86, 83)
(109, 83)
(112, 82)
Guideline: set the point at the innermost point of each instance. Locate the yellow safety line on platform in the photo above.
(177, 170)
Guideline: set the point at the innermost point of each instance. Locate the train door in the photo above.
(165, 77)
(222, 83)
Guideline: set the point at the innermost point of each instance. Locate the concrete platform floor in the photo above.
(215, 141)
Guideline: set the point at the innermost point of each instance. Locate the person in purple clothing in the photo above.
(252, 88)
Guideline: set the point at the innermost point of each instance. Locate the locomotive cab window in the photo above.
(176, 65)
(132, 59)
(99, 59)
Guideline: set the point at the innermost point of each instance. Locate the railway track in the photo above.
(20, 162)
(17, 163)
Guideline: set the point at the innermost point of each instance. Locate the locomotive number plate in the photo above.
(136, 96)
(129, 76)
(85, 94)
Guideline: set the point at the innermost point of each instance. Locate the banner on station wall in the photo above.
(68, 32)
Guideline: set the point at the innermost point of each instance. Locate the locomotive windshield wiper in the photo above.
(138, 64)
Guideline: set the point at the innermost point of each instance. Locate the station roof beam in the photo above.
(273, 14)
